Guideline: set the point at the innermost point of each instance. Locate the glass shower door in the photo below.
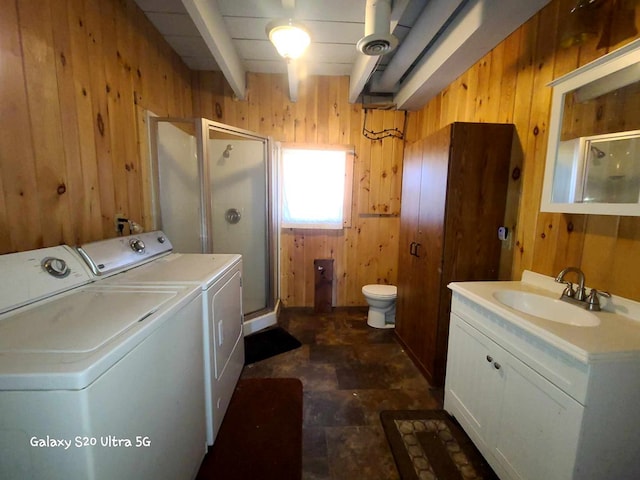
(238, 220)
(213, 192)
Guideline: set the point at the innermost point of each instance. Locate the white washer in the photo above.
(219, 276)
(97, 382)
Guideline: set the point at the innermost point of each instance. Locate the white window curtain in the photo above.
(313, 188)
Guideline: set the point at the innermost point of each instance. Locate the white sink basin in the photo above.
(546, 308)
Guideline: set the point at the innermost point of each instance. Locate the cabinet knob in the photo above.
(489, 358)
(496, 365)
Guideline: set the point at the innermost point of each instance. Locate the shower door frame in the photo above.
(270, 198)
(202, 126)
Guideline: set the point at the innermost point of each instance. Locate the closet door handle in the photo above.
(418, 245)
(411, 248)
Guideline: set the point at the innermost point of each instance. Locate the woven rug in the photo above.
(429, 445)
(267, 343)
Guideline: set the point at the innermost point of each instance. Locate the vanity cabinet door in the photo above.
(536, 431)
(472, 387)
(524, 426)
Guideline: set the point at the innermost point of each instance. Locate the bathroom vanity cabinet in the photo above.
(454, 186)
(535, 411)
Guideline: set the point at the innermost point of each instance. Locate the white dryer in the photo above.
(219, 276)
(97, 381)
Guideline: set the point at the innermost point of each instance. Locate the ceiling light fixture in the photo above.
(290, 38)
(582, 23)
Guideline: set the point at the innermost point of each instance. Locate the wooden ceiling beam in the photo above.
(210, 24)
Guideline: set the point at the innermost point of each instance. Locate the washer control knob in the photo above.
(136, 245)
(162, 239)
(56, 267)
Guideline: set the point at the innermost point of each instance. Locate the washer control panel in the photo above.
(35, 274)
(114, 255)
(137, 245)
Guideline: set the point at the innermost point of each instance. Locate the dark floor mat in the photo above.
(268, 343)
(261, 434)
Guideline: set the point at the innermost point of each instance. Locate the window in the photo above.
(316, 186)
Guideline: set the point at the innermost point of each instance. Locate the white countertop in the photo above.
(616, 337)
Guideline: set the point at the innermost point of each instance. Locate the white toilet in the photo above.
(382, 305)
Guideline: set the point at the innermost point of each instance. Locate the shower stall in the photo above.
(213, 191)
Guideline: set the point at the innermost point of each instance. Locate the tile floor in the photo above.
(350, 372)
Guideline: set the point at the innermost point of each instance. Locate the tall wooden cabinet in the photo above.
(453, 201)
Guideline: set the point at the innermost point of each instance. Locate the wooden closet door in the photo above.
(478, 180)
(477, 196)
(453, 198)
(407, 302)
(433, 195)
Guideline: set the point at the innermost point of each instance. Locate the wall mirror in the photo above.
(593, 155)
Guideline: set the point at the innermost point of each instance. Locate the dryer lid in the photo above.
(178, 268)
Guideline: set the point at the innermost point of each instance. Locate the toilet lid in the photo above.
(380, 291)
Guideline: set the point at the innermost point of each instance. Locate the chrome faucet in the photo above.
(579, 297)
(579, 294)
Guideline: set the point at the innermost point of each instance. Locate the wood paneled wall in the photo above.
(367, 252)
(74, 76)
(77, 74)
(510, 85)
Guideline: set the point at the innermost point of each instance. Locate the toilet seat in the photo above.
(381, 291)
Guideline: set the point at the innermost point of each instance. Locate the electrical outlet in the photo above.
(116, 223)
